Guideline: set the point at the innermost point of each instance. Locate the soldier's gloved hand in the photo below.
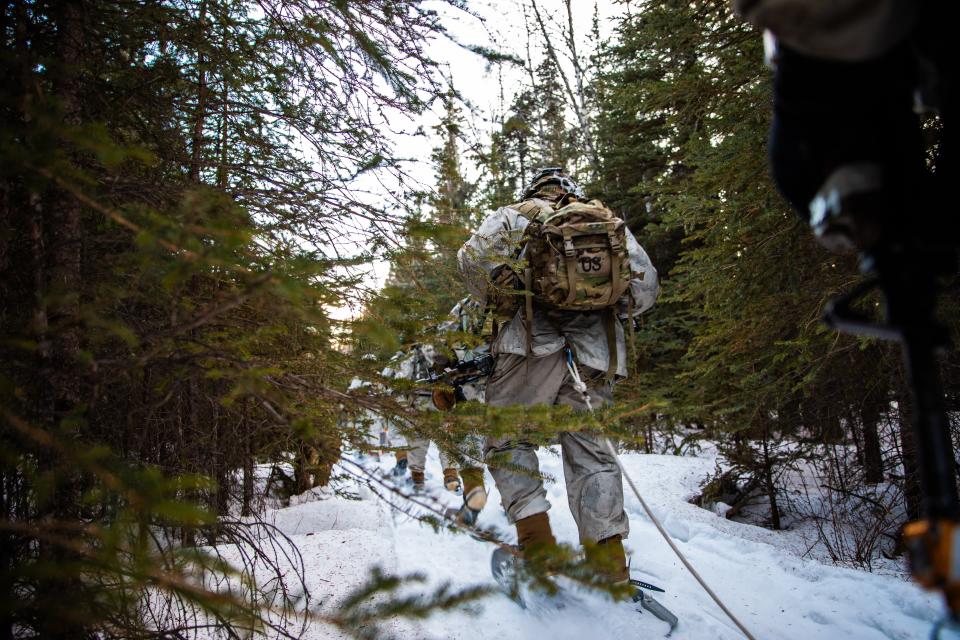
(441, 361)
(504, 281)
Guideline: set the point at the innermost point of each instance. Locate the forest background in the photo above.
(192, 194)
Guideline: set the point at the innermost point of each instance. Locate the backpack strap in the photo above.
(616, 256)
(533, 209)
(632, 362)
(610, 327)
(570, 259)
(528, 310)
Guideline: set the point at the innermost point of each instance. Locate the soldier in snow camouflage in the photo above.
(560, 269)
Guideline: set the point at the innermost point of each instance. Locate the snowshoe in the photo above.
(646, 601)
(464, 515)
(469, 512)
(506, 565)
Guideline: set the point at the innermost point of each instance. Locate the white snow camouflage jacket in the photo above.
(493, 245)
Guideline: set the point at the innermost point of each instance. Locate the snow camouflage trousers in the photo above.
(417, 455)
(593, 479)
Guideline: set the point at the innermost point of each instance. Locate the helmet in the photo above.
(554, 177)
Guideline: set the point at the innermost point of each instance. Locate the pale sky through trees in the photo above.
(499, 25)
(493, 24)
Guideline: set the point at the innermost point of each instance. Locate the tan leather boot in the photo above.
(418, 478)
(451, 480)
(474, 493)
(534, 533)
(609, 558)
(474, 496)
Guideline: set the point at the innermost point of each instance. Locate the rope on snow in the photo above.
(581, 386)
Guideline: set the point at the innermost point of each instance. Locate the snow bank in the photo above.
(757, 572)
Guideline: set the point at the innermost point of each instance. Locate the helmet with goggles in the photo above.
(552, 182)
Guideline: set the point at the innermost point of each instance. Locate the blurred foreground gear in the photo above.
(849, 211)
(934, 551)
(847, 30)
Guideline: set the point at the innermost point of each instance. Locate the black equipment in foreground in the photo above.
(909, 284)
(848, 151)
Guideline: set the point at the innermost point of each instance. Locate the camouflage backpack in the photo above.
(572, 257)
(576, 254)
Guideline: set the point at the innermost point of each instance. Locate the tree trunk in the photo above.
(222, 173)
(870, 411)
(58, 238)
(913, 495)
(196, 143)
(329, 450)
(62, 218)
(856, 434)
(246, 508)
(221, 497)
(189, 533)
(768, 482)
(8, 554)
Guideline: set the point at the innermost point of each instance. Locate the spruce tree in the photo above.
(555, 145)
(178, 187)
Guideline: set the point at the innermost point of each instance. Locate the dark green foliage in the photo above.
(493, 56)
(182, 204)
(178, 209)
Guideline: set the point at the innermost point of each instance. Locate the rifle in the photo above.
(463, 371)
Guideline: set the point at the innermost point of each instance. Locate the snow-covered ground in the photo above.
(757, 572)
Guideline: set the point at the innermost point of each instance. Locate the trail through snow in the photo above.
(773, 591)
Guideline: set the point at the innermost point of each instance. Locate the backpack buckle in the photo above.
(568, 249)
(614, 241)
